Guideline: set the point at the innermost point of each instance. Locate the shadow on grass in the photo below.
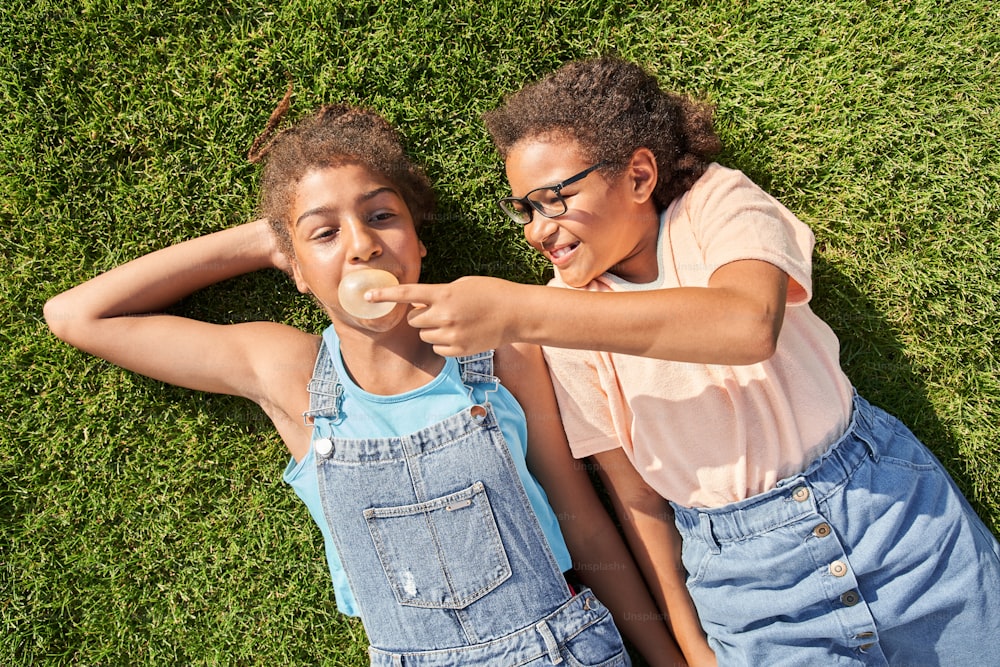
(876, 363)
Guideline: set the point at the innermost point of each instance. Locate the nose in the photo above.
(539, 229)
(363, 243)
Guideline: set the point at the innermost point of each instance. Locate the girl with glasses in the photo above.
(816, 529)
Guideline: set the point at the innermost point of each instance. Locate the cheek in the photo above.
(317, 262)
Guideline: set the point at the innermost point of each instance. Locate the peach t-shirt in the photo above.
(706, 435)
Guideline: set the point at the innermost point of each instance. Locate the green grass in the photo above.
(142, 524)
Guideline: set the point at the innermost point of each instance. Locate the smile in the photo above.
(563, 251)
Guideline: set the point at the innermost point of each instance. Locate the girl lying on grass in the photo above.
(416, 467)
(817, 530)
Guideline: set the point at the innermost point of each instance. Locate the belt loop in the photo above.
(550, 642)
(397, 660)
(869, 444)
(705, 528)
(867, 420)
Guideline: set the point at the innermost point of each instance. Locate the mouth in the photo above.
(561, 254)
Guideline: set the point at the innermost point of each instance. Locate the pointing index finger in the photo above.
(406, 293)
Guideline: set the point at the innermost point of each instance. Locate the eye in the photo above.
(546, 197)
(382, 216)
(325, 234)
(520, 206)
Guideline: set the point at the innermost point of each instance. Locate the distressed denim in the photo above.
(869, 557)
(442, 550)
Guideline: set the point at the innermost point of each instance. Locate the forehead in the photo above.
(345, 177)
(540, 162)
(337, 186)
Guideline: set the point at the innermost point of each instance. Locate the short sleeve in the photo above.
(733, 219)
(583, 404)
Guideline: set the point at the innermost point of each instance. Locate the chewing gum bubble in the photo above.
(352, 293)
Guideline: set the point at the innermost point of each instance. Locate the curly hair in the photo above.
(333, 136)
(612, 107)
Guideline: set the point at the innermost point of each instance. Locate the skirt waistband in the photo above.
(794, 496)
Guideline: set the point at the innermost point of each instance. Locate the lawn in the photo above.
(144, 524)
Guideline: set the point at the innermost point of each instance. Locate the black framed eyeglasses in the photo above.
(546, 200)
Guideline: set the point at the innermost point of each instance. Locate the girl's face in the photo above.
(344, 219)
(610, 223)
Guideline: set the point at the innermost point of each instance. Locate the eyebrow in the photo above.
(550, 186)
(367, 196)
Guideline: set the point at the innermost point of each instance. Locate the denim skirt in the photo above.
(871, 556)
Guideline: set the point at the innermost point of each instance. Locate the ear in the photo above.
(300, 282)
(642, 174)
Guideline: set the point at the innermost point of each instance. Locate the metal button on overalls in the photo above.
(850, 598)
(324, 446)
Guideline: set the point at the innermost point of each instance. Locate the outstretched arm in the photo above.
(599, 554)
(116, 316)
(735, 320)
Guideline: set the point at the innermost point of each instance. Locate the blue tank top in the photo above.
(367, 415)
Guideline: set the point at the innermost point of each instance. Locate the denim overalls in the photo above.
(442, 550)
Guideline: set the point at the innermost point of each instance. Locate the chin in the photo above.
(575, 280)
(344, 321)
(394, 318)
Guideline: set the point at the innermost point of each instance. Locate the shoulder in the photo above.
(279, 351)
(283, 358)
(724, 197)
(719, 185)
(512, 360)
(279, 357)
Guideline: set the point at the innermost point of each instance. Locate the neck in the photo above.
(642, 265)
(388, 363)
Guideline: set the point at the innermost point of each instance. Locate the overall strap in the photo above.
(478, 368)
(324, 388)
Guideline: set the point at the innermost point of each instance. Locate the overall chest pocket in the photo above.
(444, 553)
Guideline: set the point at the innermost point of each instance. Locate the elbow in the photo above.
(59, 317)
(55, 316)
(763, 353)
(759, 341)
(766, 343)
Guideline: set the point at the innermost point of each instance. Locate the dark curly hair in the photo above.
(612, 107)
(333, 136)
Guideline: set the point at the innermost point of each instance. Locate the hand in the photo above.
(269, 239)
(470, 315)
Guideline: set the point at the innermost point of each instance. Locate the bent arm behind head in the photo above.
(116, 315)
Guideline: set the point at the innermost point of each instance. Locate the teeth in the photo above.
(556, 254)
